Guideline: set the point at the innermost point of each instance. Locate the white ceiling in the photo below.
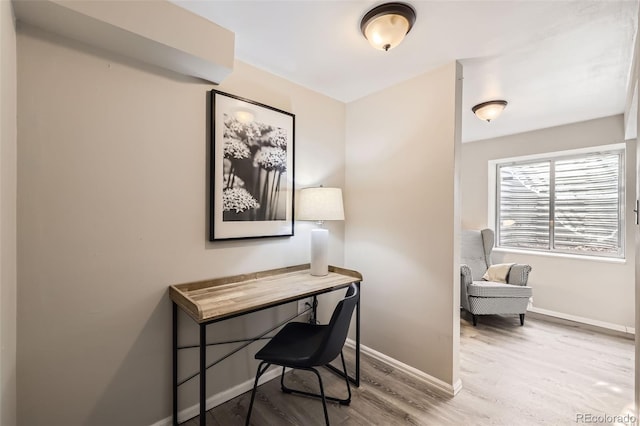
(555, 62)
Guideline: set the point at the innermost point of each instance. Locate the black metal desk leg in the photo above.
(203, 373)
(314, 311)
(357, 383)
(175, 364)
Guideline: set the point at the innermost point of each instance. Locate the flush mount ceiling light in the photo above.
(386, 25)
(489, 110)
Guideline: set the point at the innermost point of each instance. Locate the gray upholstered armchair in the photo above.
(481, 297)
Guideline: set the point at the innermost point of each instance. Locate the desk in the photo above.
(211, 301)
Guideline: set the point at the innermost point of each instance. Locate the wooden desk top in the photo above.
(227, 297)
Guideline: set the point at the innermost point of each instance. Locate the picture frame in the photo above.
(252, 169)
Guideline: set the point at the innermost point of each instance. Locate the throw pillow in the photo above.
(498, 272)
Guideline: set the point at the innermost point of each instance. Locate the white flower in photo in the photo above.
(278, 138)
(271, 158)
(233, 125)
(238, 200)
(234, 148)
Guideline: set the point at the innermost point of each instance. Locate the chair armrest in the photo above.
(465, 279)
(465, 275)
(518, 274)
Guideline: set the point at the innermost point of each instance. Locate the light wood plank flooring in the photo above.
(541, 374)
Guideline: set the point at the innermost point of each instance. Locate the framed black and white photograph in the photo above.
(252, 169)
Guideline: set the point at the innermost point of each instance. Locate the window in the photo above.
(569, 204)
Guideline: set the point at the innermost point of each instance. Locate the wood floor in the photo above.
(541, 374)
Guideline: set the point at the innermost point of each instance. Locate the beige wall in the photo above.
(113, 209)
(403, 224)
(8, 175)
(594, 290)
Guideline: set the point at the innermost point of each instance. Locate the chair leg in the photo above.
(324, 400)
(521, 319)
(322, 395)
(475, 319)
(346, 379)
(285, 389)
(259, 373)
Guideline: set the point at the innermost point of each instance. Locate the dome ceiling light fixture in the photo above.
(386, 25)
(489, 110)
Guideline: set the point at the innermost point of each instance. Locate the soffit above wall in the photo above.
(145, 31)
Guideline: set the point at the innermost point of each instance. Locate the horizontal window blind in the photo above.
(587, 213)
(569, 204)
(524, 203)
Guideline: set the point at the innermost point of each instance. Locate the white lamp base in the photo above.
(319, 252)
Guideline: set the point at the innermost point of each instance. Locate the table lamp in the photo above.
(320, 204)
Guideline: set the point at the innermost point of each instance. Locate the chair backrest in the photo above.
(337, 329)
(475, 251)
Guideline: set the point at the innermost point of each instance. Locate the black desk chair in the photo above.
(305, 346)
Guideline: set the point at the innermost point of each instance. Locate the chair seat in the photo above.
(294, 345)
(493, 289)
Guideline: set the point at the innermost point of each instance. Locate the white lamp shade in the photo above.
(320, 204)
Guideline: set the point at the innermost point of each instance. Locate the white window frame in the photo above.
(557, 155)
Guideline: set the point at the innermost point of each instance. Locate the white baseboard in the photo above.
(219, 398)
(630, 331)
(224, 396)
(433, 382)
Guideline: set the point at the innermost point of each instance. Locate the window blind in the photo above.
(562, 204)
(524, 203)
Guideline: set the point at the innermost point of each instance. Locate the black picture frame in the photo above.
(252, 169)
